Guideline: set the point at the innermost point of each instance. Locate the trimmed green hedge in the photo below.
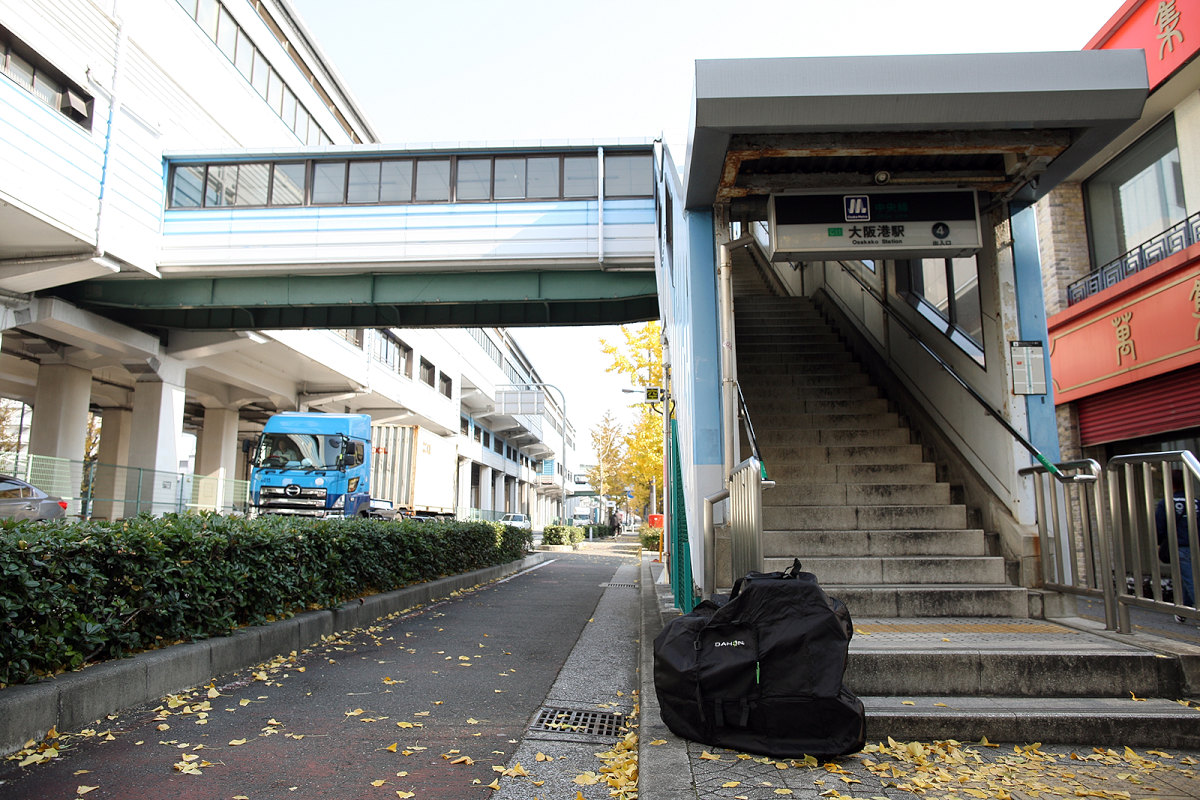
(562, 534)
(650, 537)
(76, 592)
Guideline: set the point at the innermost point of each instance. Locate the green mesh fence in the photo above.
(681, 557)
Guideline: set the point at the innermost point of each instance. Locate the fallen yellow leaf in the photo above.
(707, 756)
(731, 784)
(907, 703)
(657, 742)
(404, 795)
(86, 789)
(586, 779)
(236, 742)
(494, 784)
(379, 782)
(391, 748)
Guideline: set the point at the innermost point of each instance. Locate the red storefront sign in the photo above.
(1167, 30)
(1151, 328)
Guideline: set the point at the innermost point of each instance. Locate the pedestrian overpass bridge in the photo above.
(365, 237)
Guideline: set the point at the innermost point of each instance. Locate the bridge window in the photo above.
(474, 180)
(187, 186)
(329, 182)
(427, 372)
(628, 175)
(510, 179)
(446, 385)
(395, 181)
(580, 176)
(433, 180)
(542, 177)
(47, 84)
(287, 184)
(364, 182)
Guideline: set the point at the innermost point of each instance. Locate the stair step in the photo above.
(784, 473)
(767, 383)
(768, 421)
(843, 437)
(866, 518)
(856, 494)
(899, 569)
(817, 454)
(1099, 721)
(817, 543)
(931, 600)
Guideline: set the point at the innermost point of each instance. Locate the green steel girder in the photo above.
(406, 300)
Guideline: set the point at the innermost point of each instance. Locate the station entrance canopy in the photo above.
(1009, 126)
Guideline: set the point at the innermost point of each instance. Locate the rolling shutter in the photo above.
(1165, 403)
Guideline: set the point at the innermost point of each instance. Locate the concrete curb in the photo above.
(77, 699)
(664, 771)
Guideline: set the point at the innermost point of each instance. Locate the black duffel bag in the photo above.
(761, 670)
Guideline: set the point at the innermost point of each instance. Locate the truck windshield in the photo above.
(294, 450)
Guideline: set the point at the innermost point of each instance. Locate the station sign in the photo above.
(879, 223)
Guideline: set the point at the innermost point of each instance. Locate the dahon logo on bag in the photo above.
(730, 643)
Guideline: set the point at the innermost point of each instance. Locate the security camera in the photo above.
(882, 177)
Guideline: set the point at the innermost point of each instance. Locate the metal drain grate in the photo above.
(572, 724)
(618, 585)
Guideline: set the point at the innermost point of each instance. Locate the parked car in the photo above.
(517, 521)
(21, 500)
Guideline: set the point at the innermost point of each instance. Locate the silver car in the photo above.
(21, 500)
(517, 520)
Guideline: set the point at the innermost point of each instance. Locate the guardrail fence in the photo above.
(1109, 534)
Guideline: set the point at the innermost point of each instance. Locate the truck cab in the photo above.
(314, 465)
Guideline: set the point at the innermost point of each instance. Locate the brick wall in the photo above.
(1062, 243)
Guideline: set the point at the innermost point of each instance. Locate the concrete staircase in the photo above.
(935, 620)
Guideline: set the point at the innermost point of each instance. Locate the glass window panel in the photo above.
(262, 73)
(206, 17)
(931, 283)
(541, 176)
(433, 180)
(275, 92)
(329, 182)
(314, 132)
(46, 89)
(252, 183)
(288, 110)
(580, 176)
(302, 121)
(364, 182)
(474, 180)
(395, 182)
(187, 183)
(287, 188)
(19, 70)
(244, 57)
(510, 179)
(628, 175)
(967, 314)
(227, 31)
(221, 187)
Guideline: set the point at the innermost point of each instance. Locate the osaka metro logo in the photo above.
(857, 207)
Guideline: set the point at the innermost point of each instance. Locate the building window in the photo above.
(1136, 196)
(464, 426)
(446, 385)
(428, 371)
(946, 292)
(628, 175)
(487, 439)
(498, 445)
(433, 181)
(391, 351)
(478, 434)
(43, 81)
(580, 176)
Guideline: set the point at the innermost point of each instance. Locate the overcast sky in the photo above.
(476, 71)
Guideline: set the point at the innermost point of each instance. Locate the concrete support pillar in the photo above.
(154, 445)
(108, 485)
(498, 491)
(59, 431)
(464, 483)
(216, 459)
(486, 489)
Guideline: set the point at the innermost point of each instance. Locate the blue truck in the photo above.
(314, 465)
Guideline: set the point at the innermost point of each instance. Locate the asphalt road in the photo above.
(401, 703)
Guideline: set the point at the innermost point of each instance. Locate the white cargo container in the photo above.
(415, 469)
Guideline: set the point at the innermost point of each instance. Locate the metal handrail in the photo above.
(949, 370)
(745, 413)
(1124, 544)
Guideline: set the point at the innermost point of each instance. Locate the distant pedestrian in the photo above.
(1179, 506)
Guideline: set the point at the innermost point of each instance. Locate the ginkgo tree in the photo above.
(608, 440)
(640, 358)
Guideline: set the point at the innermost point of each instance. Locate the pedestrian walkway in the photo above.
(539, 685)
